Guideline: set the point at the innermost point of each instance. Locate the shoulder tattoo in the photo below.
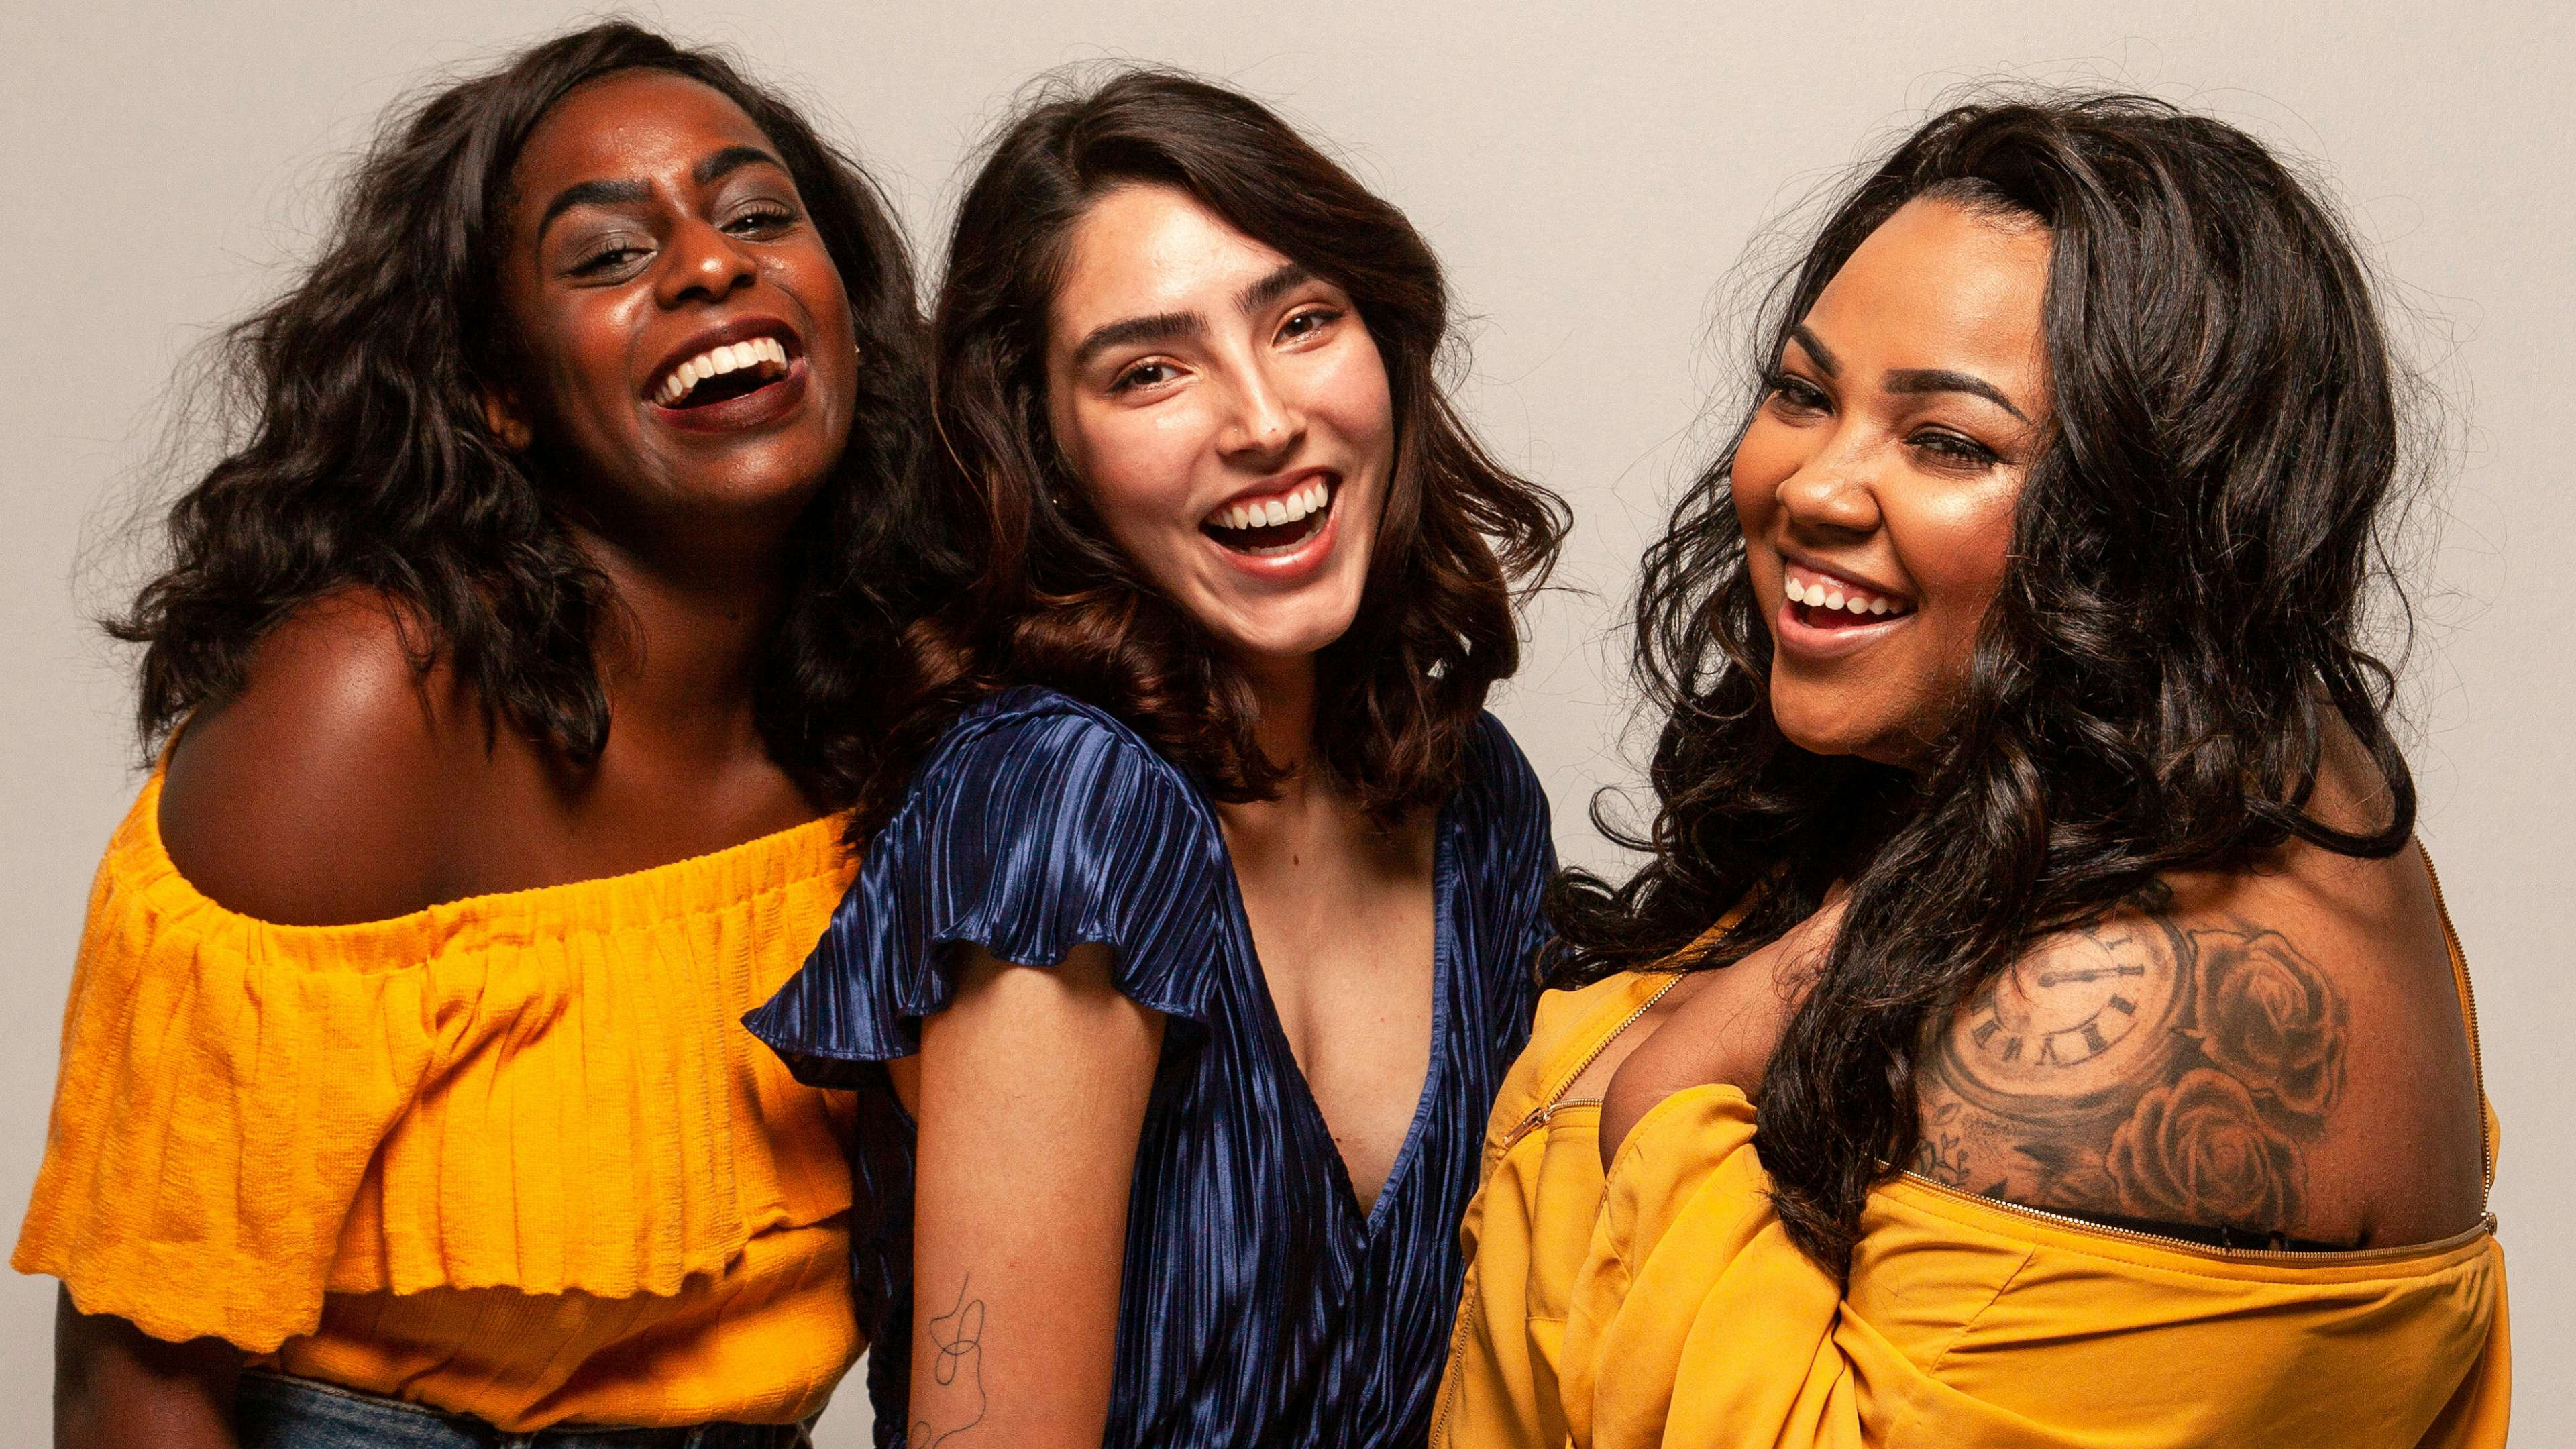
(2143, 1068)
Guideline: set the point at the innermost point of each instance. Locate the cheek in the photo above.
(1348, 391)
(1135, 467)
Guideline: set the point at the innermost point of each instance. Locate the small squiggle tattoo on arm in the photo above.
(957, 1342)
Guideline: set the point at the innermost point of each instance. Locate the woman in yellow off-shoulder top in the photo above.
(525, 649)
(2080, 1057)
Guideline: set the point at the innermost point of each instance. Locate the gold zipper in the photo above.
(2468, 1004)
(2486, 1224)
(1537, 1118)
(1546, 1109)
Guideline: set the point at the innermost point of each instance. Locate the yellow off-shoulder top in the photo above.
(512, 1156)
(1663, 1304)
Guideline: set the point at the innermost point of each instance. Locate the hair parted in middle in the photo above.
(1053, 601)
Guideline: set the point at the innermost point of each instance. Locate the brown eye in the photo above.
(1798, 397)
(1143, 374)
(1954, 449)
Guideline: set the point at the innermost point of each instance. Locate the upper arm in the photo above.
(310, 796)
(1033, 1087)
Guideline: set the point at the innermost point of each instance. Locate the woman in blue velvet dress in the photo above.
(1194, 949)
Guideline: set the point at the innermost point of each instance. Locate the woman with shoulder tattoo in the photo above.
(1207, 926)
(512, 668)
(2036, 1023)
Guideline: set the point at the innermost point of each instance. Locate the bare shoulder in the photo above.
(309, 797)
(2279, 1051)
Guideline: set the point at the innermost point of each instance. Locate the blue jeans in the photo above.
(273, 1411)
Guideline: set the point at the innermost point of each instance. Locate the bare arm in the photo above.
(1033, 1092)
(117, 1386)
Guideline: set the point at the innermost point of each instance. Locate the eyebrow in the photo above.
(729, 160)
(1289, 277)
(1823, 355)
(1160, 327)
(1935, 379)
(1173, 326)
(590, 193)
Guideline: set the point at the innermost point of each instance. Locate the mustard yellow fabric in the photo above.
(511, 1156)
(1666, 1307)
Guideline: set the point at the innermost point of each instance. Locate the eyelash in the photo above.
(1956, 449)
(759, 216)
(1322, 317)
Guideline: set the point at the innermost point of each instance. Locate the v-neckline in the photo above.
(1444, 874)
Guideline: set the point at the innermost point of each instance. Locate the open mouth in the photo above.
(723, 373)
(1823, 601)
(1273, 525)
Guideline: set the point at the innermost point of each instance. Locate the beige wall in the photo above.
(1589, 175)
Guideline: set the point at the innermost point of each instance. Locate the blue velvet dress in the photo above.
(1260, 1303)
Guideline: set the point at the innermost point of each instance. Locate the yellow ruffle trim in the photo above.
(546, 1090)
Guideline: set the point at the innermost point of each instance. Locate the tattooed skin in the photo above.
(957, 1338)
(2143, 1068)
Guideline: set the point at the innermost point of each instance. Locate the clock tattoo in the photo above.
(2142, 1067)
(2070, 1021)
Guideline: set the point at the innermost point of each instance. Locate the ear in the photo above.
(501, 414)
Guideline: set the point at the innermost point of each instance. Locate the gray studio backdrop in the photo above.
(1590, 175)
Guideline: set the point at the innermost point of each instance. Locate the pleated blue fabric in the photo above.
(1261, 1305)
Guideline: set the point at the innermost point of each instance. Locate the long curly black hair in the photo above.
(2181, 626)
(360, 456)
(1054, 601)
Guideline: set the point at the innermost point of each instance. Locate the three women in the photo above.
(2026, 777)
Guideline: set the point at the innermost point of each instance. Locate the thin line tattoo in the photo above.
(2143, 1068)
(957, 1344)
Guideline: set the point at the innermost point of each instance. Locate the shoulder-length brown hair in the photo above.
(1048, 599)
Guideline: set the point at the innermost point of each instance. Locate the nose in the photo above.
(1265, 423)
(703, 263)
(1832, 495)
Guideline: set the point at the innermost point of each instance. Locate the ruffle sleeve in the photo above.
(530, 1091)
(1038, 824)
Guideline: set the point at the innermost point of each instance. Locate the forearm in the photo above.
(1033, 1091)
(117, 1387)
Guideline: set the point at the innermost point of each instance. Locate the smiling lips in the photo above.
(1273, 525)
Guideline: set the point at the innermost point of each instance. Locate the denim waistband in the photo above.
(275, 1411)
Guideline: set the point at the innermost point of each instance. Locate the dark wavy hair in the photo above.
(1053, 601)
(2181, 624)
(360, 456)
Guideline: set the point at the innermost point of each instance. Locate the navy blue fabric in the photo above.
(275, 1411)
(1260, 1305)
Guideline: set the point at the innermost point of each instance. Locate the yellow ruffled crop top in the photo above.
(511, 1156)
(1664, 1305)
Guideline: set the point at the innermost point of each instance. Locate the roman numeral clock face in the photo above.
(2079, 1018)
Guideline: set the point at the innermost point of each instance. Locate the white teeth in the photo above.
(1821, 594)
(717, 361)
(1270, 513)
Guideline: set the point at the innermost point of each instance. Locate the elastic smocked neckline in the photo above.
(633, 900)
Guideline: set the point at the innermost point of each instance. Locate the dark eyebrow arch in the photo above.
(1288, 278)
(590, 193)
(1824, 356)
(1934, 379)
(729, 160)
(1160, 327)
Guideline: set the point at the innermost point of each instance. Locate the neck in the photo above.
(682, 652)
